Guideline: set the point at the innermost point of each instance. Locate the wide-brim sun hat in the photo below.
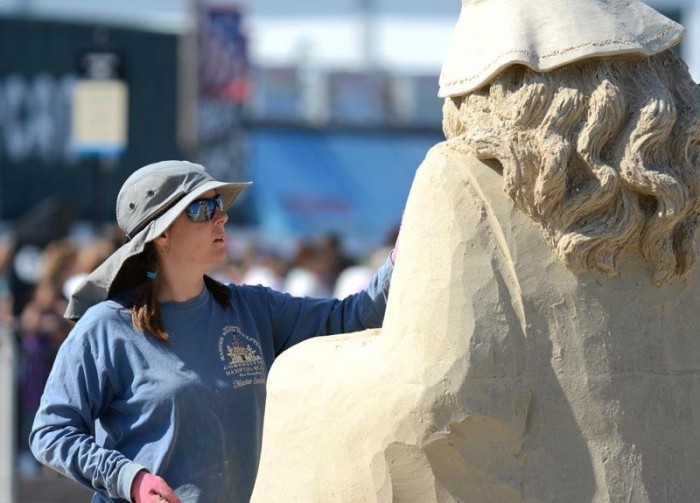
(491, 35)
(149, 201)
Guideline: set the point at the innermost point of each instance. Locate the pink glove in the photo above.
(149, 488)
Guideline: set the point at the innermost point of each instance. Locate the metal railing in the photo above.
(8, 427)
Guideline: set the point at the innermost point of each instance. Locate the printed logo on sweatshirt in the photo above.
(241, 356)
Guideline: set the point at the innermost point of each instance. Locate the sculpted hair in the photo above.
(602, 153)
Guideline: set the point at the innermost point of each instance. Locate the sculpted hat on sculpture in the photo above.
(493, 34)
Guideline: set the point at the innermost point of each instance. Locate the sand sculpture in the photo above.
(541, 341)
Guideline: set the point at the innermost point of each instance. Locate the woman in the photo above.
(158, 392)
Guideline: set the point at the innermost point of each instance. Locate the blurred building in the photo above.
(329, 105)
(84, 102)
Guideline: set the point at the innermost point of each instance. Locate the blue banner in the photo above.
(353, 184)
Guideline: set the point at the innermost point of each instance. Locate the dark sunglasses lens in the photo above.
(203, 210)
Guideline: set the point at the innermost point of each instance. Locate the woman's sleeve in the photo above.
(78, 389)
(295, 319)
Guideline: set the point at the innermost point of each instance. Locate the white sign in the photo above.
(100, 117)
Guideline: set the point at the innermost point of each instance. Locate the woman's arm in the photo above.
(77, 390)
(295, 319)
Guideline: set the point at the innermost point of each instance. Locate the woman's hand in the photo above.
(149, 488)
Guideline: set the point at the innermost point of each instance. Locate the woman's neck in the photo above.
(178, 285)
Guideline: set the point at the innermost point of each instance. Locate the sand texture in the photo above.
(499, 375)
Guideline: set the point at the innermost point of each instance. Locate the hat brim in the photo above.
(228, 191)
(97, 285)
(491, 35)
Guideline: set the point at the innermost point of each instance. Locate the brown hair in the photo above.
(603, 153)
(145, 310)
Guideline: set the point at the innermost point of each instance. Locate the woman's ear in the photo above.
(161, 243)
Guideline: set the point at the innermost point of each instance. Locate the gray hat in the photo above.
(147, 204)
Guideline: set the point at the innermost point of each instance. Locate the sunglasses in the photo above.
(202, 210)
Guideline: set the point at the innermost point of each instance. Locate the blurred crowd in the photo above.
(36, 281)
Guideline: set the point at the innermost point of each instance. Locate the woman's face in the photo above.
(192, 244)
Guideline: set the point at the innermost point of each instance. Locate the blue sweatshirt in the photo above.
(191, 411)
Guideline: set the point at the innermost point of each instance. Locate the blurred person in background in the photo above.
(42, 330)
(6, 254)
(7, 316)
(352, 280)
(267, 268)
(89, 257)
(58, 262)
(309, 273)
(158, 392)
(330, 246)
(355, 276)
(239, 256)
